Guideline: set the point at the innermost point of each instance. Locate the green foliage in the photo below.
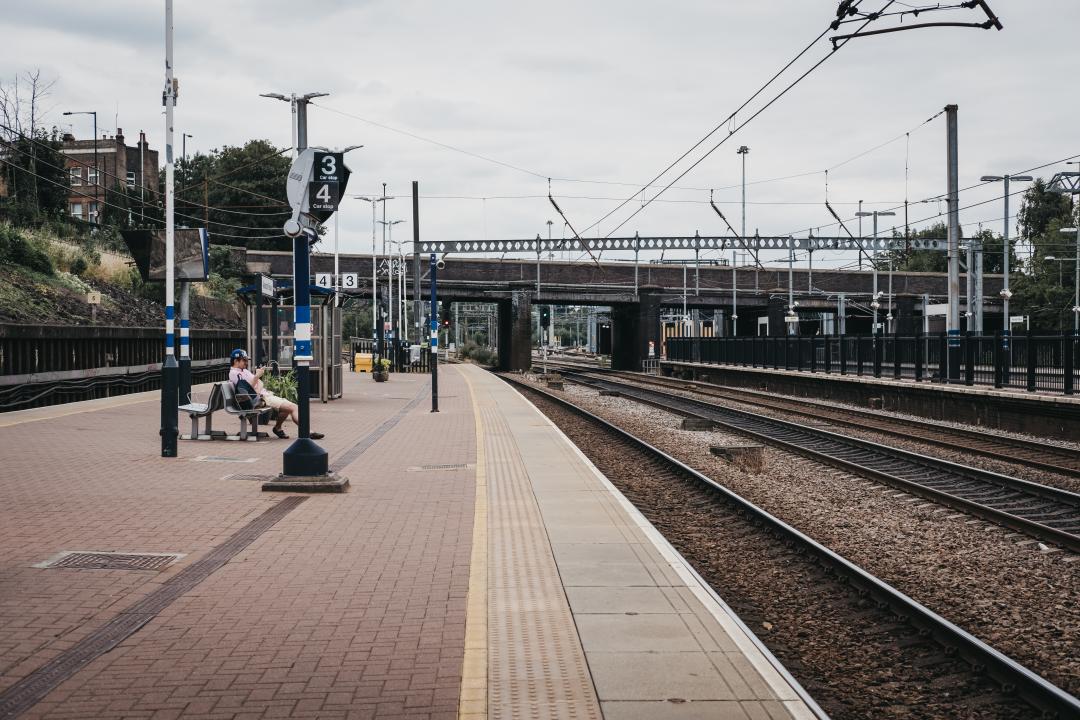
(222, 288)
(19, 249)
(480, 354)
(225, 264)
(1044, 289)
(247, 192)
(283, 385)
(35, 178)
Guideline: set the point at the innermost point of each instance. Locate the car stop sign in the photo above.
(329, 176)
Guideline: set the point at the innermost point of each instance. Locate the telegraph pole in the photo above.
(169, 368)
(953, 317)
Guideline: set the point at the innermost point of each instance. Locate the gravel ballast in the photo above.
(1013, 593)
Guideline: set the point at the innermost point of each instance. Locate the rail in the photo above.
(1041, 511)
(1046, 363)
(1013, 676)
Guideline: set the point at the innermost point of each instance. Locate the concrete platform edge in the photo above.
(801, 706)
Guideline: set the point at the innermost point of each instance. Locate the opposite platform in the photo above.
(478, 566)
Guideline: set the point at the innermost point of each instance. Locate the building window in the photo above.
(91, 176)
(76, 175)
(76, 211)
(131, 178)
(93, 215)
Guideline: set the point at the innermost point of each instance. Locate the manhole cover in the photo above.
(90, 560)
(422, 468)
(221, 458)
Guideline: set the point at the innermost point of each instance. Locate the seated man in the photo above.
(284, 409)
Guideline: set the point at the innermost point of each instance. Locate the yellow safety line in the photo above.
(474, 672)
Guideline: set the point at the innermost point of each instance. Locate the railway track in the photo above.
(1040, 511)
(1039, 455)
(928, 643)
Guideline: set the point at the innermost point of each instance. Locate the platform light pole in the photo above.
(374, 258)
(391, 273)
(1005, 292)
(875, 302)
(169, 368)
(304, 457)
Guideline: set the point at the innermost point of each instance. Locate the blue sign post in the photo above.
(304, 457)
(434, 336)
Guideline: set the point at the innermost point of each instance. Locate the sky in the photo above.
(599, 96)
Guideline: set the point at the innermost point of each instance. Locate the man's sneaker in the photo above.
(316, 436)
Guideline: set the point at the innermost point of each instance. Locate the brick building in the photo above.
(135, 167)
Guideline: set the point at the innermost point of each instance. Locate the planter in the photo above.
(379, 376)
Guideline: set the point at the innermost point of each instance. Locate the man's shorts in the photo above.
(272, 401)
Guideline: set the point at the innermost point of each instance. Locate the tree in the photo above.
(33, 183)
(238, 193)
(1037, 291)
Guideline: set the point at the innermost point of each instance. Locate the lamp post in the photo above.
(374, 258)
(97, 172)
(1005, 292)
(390, 269)
(875, 302)
(183, 145)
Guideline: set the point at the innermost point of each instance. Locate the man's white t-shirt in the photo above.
(237, 374)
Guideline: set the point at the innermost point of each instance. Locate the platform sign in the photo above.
(350, 281)
(324, 280)
(266, 286)
(323, 195)
(328, 178)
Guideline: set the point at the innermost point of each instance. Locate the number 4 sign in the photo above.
(323, 195)
(324, 280)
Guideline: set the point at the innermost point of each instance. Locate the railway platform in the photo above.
(478, 567)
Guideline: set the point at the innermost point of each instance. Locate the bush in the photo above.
(282, 385)
(79, 267)
(17, 249)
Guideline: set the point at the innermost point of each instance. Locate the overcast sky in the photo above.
(600, 90)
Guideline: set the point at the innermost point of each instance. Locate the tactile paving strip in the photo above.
(537, 667)
(24, 694)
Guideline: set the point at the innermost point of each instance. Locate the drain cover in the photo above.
(221, 458)
(90, 560)
(422, 468)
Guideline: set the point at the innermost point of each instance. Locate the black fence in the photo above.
(1047, 363)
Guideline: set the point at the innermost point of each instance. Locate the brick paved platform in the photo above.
(478, 566)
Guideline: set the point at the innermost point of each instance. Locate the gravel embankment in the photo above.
(999, 585)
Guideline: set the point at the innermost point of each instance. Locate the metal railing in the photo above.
(1035, 363)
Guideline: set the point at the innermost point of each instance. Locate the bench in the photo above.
(228, 393)
(196, 410)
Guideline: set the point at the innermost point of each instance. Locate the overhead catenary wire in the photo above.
(744, 123)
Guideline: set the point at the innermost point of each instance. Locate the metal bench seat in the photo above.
(196, 410)
(228, 393)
